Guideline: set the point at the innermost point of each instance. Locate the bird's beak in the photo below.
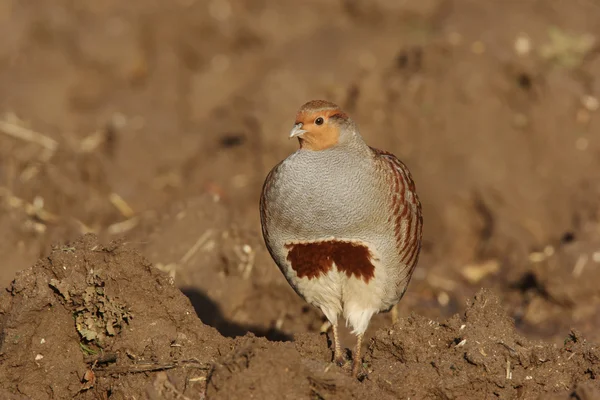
(297, 130)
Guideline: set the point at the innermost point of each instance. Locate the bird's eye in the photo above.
(319, 121)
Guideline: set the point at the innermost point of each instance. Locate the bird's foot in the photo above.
(357, 366)
(358, 370)
(351, 366)
(346, 366)
(340, 360)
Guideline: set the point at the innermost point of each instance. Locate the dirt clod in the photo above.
(478, 355)
(97, 313)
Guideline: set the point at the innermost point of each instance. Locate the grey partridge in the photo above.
(342, 220)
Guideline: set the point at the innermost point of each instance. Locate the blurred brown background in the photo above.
(158, 121)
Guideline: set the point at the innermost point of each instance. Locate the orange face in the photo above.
(317, 125)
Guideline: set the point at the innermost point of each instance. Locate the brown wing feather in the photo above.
(406, 208)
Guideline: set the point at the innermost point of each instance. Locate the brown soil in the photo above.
(94, 321)
(155, 123)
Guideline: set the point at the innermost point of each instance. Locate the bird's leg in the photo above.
(338, 356)
(356, 358)
(394, 313)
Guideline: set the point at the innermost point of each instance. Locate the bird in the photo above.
(342, 221)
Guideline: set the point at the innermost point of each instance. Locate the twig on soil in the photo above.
(83, 228)
(121, 205)
(508, 371)
(512, 351)
(474, 273)
(249, 262)
(194, 249)
(580, 265)
(29, 173)
(104, 135)
(194, 363)
(246, 256)
(28, 135)
(123, 226)
(137, 368)
(34, 209)
(12, 126)
(540, 256)
(91, 142)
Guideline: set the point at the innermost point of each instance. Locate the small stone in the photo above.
(523, 45)
(591, 103)
(443, 299)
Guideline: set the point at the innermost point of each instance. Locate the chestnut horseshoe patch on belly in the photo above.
(314, 259)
